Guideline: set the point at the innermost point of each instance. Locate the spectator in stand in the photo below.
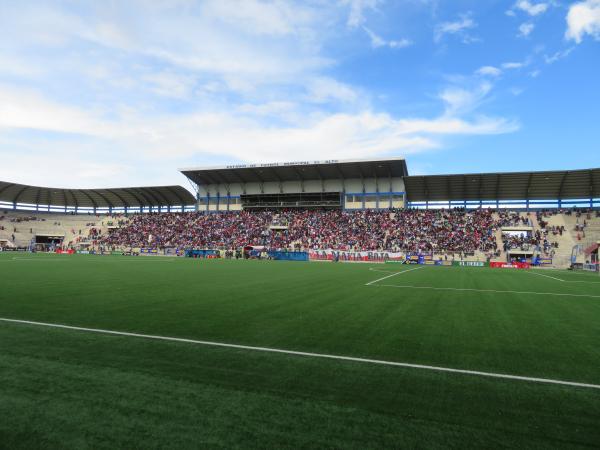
(405, 230)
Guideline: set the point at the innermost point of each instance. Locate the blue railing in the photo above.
(591, 203)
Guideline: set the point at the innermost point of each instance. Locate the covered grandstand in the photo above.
(348, 184)
(131, 199)
(547, 189)
(358, 205)
(385, 183)
(331, 184)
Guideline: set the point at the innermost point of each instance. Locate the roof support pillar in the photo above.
(562, 184)
(497, 190)
(376, 192)
(341, 174)
(364, 190)
(591, 174)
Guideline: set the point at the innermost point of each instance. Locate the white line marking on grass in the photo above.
(99, 258)
(486, 290)
(43, 258)
(308, 354)
(382, 271)
(566, 281)
(542, 275)
(393, 274)
(136, 258)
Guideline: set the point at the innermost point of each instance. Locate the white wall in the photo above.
(356, 185)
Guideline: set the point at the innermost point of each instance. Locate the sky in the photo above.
(123, 93)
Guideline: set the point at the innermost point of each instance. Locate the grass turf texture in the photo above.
(71, 389)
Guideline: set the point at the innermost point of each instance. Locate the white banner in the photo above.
(329, 255)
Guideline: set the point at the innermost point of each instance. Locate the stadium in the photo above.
(299, 224)
(359, 209)
(326, 304)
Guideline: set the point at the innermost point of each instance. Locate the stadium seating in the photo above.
(441, 231)
(473, 234)
(19, 228)
(584, 227)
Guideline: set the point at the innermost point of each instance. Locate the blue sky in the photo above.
(113, 93)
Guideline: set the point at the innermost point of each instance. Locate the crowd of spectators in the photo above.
(397, 230)
(529, 241)
(405, 230)
(512, 219)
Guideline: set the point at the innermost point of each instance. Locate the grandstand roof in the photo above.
(294, 171)
(96, 198)
(565, 184)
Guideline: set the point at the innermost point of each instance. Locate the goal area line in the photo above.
(308, 354)
(376, 283)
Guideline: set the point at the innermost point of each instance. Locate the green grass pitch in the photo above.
(63, 388)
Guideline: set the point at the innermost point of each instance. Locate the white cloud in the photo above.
(323, 89)
(257, 17)
(558, 55)
(493, 71)
(136, 140)
(251, 41)
(13, 65)
(132, 92)
(460, 100)
(170, 84)
(402, 43)
(267, 109)
(516, 91)
(489, 71)
(33, 169)
(533, 9)
(583, 18)
(458, 27)
(377, 41)
(356, 16)
(26, 109)
(525, 29)
(513, 65)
